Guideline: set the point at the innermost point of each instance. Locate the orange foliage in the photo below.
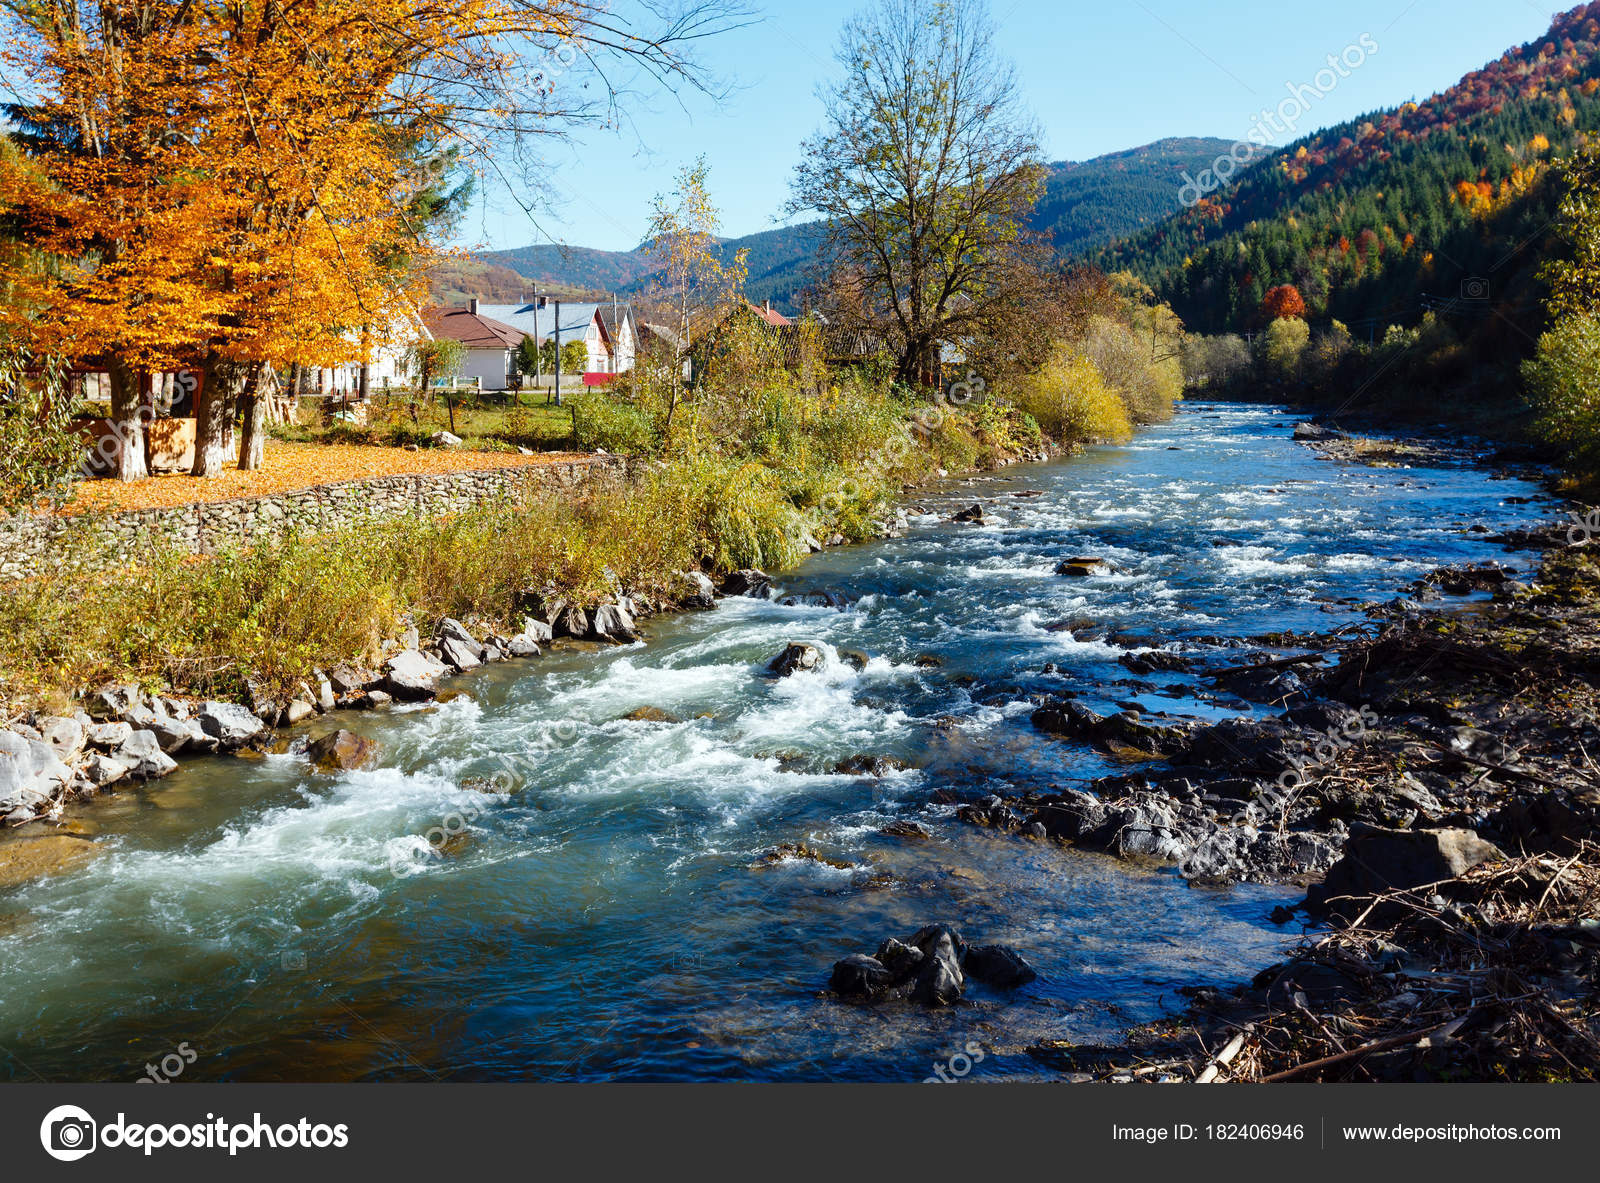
(287, 469)
(1284, 303)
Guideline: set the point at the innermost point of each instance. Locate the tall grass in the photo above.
(751, 473)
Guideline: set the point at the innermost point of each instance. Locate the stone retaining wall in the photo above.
(30, 544)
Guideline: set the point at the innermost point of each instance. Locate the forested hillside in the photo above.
(1440, 205)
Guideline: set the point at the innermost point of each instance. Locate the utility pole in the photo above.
(558, 353)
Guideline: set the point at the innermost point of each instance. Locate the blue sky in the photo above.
(1099, 76)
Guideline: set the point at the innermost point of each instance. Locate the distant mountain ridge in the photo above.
(1086, 204)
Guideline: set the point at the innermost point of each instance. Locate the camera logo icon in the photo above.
(1474, 288)
(68, 1133)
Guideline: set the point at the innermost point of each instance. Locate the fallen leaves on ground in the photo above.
(290, 467)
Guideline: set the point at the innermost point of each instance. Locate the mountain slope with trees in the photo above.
(1085, 205)
(1440, 205)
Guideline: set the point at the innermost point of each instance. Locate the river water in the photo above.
(610, 918)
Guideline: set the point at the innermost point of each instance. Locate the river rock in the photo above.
(998, 966)
(1083, 568)
(860, 976)
(107, 736)
(939, 980)
(144, 758)
(545, 605)
(612, 622)
(1378, 860)
(298, 711)
(1271, 687)
(757, 585)
(902, 828)
(694, 591)
(650, 715)
(23, 860)
(461, 655)
(110, 703)
(535, 630)
(230, 724)
(972, 515)
(900, 959)
(413, 676)
(174, 735)
(64, 735)
(103, 770)
(796, 659)
(1064, 717)
(1265, 747)
(523, 646)
(343, 751)
(347, 678)
(573, 622)
(1316, 433)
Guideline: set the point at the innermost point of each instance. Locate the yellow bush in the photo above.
(1071, 401)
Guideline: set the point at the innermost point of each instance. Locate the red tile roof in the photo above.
(776, 319)
(472, 330)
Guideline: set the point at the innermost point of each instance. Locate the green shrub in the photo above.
(599, 423)
(1563, 379)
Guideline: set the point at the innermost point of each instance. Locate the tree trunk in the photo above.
(213, 414)
(127, 426)
(253, 403)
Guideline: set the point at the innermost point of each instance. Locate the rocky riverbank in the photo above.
(123, 734)
(1431, 782)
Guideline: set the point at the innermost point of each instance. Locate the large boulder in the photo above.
(546, 605)
(108, 737)
(458, 646)
(66, 736)
(343, 751)
(143, 757)
(412, 676)
(1378, 860)
(174, 735)
(113, 702)
(348, 678)
(461, 655)
(796, 659)
(230, 724)
(573, 622)
(755, 584)
(612, 622)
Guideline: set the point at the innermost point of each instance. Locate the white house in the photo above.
(490, 344)
(607, 330)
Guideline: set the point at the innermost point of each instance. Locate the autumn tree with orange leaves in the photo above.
(1284, 303)
(234, 187)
